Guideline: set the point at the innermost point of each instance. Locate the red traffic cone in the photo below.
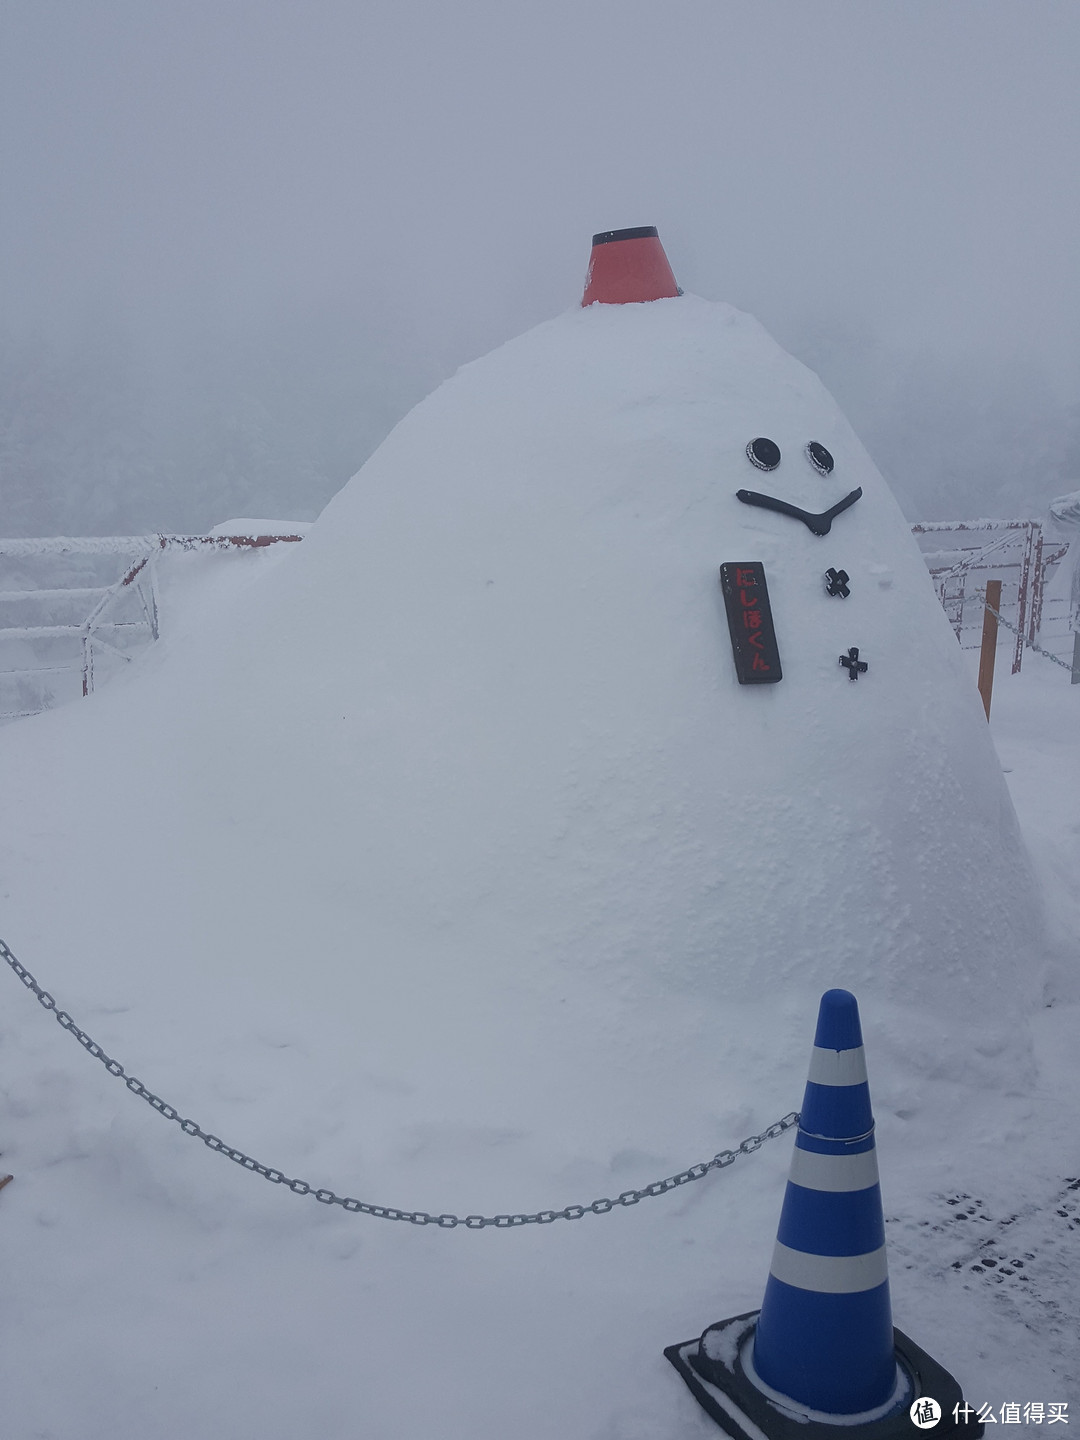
(627, 267)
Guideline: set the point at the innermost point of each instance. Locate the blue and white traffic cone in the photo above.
(825, 1333)
(822, 1354)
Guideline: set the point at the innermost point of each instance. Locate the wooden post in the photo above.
(989, 642)
(1076, 658)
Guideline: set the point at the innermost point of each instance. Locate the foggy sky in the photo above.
(307, 207)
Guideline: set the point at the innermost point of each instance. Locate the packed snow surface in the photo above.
(442, 861)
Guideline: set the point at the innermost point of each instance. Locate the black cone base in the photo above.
(715, 1377)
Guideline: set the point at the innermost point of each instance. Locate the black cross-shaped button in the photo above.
(852, 663)
(836, 583)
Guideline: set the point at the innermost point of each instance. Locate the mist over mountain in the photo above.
(238, 242)
(111, 434)
(103, 436)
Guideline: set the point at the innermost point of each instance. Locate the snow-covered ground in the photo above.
(153, 1290)
(205, 864)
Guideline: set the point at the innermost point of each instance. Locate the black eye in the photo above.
(765, 454)
(819, 458)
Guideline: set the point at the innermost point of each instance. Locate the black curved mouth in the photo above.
(816, 524)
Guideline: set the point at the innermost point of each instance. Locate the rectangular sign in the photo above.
(753, 639)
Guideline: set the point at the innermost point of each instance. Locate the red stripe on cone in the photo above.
(627, 267)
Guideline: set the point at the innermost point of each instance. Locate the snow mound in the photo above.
(509, 693)
(445, 863)
(476, 749)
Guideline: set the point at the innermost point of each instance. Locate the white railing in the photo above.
(57, 641)
(64, 639)
(962, 555)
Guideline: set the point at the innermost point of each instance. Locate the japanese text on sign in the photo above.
(753, 638)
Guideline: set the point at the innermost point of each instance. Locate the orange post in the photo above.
(989, 642)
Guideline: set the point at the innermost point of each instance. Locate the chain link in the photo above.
(1029, 643)
(602, 1206)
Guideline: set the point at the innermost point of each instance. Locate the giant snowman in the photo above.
(480, 745)
(452, 866)
(522, 715)
(472, 777)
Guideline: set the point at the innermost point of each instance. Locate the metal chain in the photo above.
(1029, 643)
(388, 1212)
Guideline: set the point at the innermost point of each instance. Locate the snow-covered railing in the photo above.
(53, 637)
(58, 640)
(962, 554)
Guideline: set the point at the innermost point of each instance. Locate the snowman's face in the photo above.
(757, 660)
(764, 454)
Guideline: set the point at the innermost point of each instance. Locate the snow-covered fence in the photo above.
(58, 640)
(963, 554)
(73, 611)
